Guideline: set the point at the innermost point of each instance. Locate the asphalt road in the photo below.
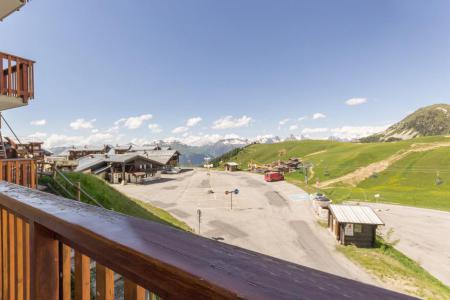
(422, 234)
(270, 218)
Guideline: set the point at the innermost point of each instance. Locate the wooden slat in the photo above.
(132, 291)
(27, 261)
(5, 264)
(1, 170)
(19, 259)
(104, 283)
(9, 171)
(11, 256)
(82, 277)
(9, 76)
(1, 256)
(1, 76)
(24, 172)
(66, 273)
(33, 174)
(17, 172)
(44, 261)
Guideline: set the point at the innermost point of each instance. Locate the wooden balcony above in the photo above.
(16, 81)
(7, 7)
(43, 232)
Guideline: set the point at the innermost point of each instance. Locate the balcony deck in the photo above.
(40, 233)
(16, 81)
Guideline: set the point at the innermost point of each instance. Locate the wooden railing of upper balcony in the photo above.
(41, 234)
(16, 77)
(20, 171)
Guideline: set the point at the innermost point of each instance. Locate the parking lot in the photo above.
(270, 218)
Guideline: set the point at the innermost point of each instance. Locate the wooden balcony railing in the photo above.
(16, 77)
(19, 171)
(41, 234)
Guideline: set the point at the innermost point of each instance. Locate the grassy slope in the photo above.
(114, 200)
(396, 269)
(410, 181)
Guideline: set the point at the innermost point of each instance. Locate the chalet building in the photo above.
(118, 168)
(353, 224)
(24, 149)
(231, 166)
(75, 153)
(167, 158)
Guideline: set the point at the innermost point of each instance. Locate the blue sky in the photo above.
(107, 70)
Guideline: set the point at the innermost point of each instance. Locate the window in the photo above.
(358, 228)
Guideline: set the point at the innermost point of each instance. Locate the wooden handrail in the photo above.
(171, 263)
(16, 76)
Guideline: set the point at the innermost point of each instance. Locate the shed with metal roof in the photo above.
(354, 224)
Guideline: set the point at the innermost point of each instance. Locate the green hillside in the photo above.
(330, 159)
(418, 178)
(112, 199)
(421, 179)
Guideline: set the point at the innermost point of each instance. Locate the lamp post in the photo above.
(235, 191)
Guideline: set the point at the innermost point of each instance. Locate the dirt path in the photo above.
(363, 173)
(315, 153)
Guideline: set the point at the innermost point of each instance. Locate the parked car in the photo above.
(273, 176)
(174, 170)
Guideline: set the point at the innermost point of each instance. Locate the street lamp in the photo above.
(235, 191)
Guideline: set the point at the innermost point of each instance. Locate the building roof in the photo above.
(90, 161)
(161, 156)
(356, 214)
(87, 162)
(231, 163)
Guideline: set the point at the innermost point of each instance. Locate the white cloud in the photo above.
(193, 121)
(230, 122)
(203, 139)
(301, 118)
(314, 130)
(293, 127)
(353, 132)
(344, 132)
(133, 122)
(82, 124)
(355, 101)
(284, 122)
(317, 116)
(154, 128)
(39, 122)
(180, 129)
(55, 140)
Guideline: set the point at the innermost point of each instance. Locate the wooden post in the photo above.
(82, 277)
(66, 273)
(132, 291)
(78, 187)
(44, 277)
(104, 283)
